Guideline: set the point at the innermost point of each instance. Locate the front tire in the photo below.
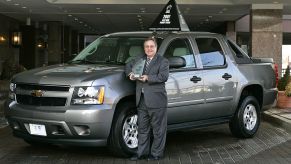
(123, 139)
(247, 118)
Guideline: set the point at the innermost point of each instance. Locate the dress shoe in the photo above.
(153, 158)
(134, 158)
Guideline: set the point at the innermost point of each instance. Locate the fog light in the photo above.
(15, 126)
(57, 130)
(82, 130)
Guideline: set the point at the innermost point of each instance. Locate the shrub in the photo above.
(284, 80)
(288, 90)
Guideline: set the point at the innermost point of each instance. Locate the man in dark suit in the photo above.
(151, 101)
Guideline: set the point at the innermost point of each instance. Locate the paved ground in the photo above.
(280, 153)
(209, 145)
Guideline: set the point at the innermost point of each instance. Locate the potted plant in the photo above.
(284, 80)
(284, 94)
(288, 90)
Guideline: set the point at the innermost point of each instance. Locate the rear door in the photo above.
(218, 76)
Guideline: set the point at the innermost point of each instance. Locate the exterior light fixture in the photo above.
(41, 44)
(2, 39)
(16, 39)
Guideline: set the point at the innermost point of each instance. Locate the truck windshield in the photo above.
(113, 50)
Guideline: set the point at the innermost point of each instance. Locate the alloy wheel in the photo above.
(129, 131)
(250, 117)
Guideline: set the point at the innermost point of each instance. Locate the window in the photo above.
(210, 51)
(181, 48)
(113, 50)
(235, 50)
(239, 55)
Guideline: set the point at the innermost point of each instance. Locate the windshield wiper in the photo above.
(115, 62)
(85, 61)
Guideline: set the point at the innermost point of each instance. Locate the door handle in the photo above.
(195, 79)
(226, 76)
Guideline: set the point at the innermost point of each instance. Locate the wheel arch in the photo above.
(115, 144)
(255, 90)
(128, 98)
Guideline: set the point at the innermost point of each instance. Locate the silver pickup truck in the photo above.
(89, 101)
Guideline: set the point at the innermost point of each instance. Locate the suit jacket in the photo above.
(155, 94)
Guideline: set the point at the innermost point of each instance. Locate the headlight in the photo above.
(12, 88)
(88, 95)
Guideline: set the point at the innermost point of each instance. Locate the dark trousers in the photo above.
(155, 118)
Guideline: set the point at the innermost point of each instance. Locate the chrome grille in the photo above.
(42, 87)
(50, 95)
(40, 101)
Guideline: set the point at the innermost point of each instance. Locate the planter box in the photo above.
(283, 101)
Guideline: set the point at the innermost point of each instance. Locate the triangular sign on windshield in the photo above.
(170, 19)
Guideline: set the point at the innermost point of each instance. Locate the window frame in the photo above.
(222, 48)
(191, 48)
(245, 59)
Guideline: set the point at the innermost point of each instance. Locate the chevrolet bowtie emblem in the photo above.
(37, 93)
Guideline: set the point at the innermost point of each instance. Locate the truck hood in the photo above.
(67, 74)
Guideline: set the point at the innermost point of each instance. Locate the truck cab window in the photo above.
(239, 55)
(181, 48)
(211, 52)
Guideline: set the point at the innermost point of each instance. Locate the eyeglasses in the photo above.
(150, 46)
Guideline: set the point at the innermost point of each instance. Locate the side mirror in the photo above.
(177, 62)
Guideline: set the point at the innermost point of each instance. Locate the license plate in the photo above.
(37, 129)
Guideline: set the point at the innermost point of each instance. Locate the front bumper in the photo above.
(82, 125)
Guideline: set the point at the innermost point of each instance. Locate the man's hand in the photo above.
(131, 76)
(143, 78)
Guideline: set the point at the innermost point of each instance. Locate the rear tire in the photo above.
(247, 118)
(123, 137)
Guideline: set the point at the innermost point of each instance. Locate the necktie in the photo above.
(146, 65)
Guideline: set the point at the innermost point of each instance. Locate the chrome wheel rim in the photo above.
(129, 131)
(250, 117)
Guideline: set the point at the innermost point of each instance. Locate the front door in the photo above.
(185, 85)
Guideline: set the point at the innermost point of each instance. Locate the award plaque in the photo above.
(138, 67)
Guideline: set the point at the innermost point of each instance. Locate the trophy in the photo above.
(137, 68)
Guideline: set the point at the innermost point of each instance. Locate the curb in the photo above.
(277, 120)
